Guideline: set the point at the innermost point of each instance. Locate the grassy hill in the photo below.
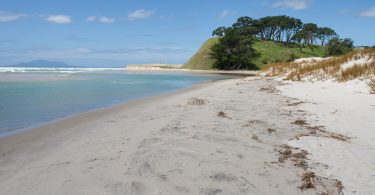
(269, 51)
(202, 60)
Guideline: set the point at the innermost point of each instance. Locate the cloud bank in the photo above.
(9, 16)
(368, 13)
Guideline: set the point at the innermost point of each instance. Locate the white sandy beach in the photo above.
(346, 108)
(225, 137)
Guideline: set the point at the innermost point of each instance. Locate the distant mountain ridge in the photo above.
(44, 64)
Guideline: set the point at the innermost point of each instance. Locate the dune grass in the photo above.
(270, 52)
(328, 68)
(372, 86)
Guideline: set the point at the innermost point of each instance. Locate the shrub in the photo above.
(264, 61)
(338, 46)
(292, 57)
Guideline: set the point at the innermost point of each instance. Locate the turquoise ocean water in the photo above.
(30, 97)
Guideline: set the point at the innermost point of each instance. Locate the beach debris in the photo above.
(270, 130)
(339, 186)
(340, 137)
(196, 101)
(256, 138)
(223, 177)
(308, 180)
(223, 115)
(300, 122)
(252, 123)
(321, 185)
(318, 131)
(285, 152)
(296, 103)
(269, 89)
(297, 157)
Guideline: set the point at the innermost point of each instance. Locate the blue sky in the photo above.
(118, 32)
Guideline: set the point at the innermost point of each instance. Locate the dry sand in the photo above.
(342, 108)
(226, 137)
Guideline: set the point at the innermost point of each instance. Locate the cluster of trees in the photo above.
(235, 51)
(283, 28)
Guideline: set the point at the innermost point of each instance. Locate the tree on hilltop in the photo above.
(219, 32)
(234, 51)
(325, 33)
(310, 30)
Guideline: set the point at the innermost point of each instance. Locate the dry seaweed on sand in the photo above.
(196, 101)
(270, 130)
(318, 131)
(308, 181)
(256, 138)
(300, 122)
(296, 156)
(269, 89)
(296, 103)
(223, 115)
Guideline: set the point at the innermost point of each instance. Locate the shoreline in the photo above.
(97, 112)
(13, 132)
(201, 140)
(192, 71)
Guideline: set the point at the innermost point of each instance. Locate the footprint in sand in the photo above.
(132, 188)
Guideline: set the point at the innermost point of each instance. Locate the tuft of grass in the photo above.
(372, 86)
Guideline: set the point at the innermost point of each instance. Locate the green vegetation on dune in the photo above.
(249, 44)
(202, 59)
(270, 52)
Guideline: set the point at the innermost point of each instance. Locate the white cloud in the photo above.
(104, 19)
(368, 13)
(101, 19)
(140, 14)
(91, 18)
(59, 19)
(225, 14)
(292, 4)
(8, 16)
